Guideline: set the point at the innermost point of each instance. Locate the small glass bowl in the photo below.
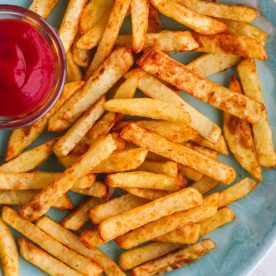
(49, 34)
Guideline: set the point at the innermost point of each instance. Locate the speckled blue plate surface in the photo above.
(242, 244)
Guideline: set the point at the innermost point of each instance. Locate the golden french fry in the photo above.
(120, 142)
(70, 22)
(69, 160)
(73, 70)
(8, 252)
(44, 261)
(111, 70)
(158, 63)
(208, 152)
(190, 173)
(81, 57)
(49, 244)
(179, 258)
(43, 7)
(140, 179)
(150, 194)
(154, 25)
(167, 168)
(98, 190)
(205, 184)
(239, 137)
(178, 153)
(110, 34)
(132, 219)
(78, 217)
(127, 89)
(262, 130)
(200, 23)
(91, 238)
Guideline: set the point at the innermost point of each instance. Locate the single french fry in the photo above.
(110, 34)
(70, 22)
(44, 261)
(49, 244)
(209, 64)
(91, 238)
(70, 139)
(169, 223)
(178, 153)
(150, 194)
(98, 190)
(190, 173)
(200, 23)
(43, 7)
(158, 63)
(78, 217)
(81, 57)
(208, 152)
(132, 219)
(140, 179)
(262, 130)
(8, 252)
(239, 137)
(205, 184)
(177, 259)
(72, 241)
(73, 70)
(111, 70)
(154, 25)
(127, 89)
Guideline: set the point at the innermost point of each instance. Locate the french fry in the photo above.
(132, 219)
(68, 160)
(140, 179)
(111, 70)
(167, 168)
(234, 12)
(200, 23)
(8, 252)
(169, 223)
(261, 130)
(150, 108)
(70, 22)
(110, 34)
(120, 143)
(81, 57)
(43, 201)
(205, 184)
(239, 137)
(42, 7)
(49, 244)
(44, 261)
(190, 173)
(78, 217)
(177, 259)
(98, 190)
(178, 153)
(72, 241)
(150, 194)
(127, 89)
(73, 70)
(154, 25)
(208, 152)
(91, 238)
(158, 63)
(70, 139)
(209, 64)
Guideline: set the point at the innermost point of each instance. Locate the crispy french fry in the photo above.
(132, 219)
(110, 34)
(158, 63)
(70, 22)
(190, 173)
(49, 244)
(209, 64)
(200, 23)
(178, 153)
(43, 7)
(150, 194)
(91, 238)
(140, 179)
(81, 57)
(167, 168)
(111, 70)
(239, 137)
(179, 258)
(154, 25)
(78, 217)
(8, 252)
(205, 184)
(98, 190)
(74, 135)
(73, 70)
(44, 261)
(127, 89)
(208, 152)
(262, 130)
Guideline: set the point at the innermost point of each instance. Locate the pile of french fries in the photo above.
(164, 159)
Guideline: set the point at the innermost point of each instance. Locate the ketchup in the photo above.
(26, 68)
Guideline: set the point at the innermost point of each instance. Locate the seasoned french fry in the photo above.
(91, 238)
(262, 130)
(154, 25)
(78, 217)
(167, 168)
(69, 160)
(98, 189)
(43, 7)
(120, 142)
(150, 194)
(239, 137)
(49, 244)
(70, 139)
(110, 34)
(70, 22)
(44, 261)
(209, 64)
(179, 258)
(158, 63)
(8, 252)
(178, 153)
(208, 152)
(205, 184)
(127, 89)
(111, 70)
(140, 179)
(132, 219)
(73, 70)
(81, 57)
(190, 173)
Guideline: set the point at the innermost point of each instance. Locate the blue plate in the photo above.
(242, 244)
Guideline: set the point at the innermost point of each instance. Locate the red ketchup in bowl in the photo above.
(26, 68)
